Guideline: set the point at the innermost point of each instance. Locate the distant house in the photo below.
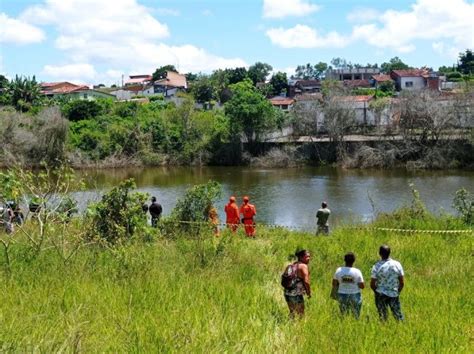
(283, 103)
(415, 79)
(67, 89)
(301, 87)
(135, 80)
(360, 104)
(170, 84)
(351, 74)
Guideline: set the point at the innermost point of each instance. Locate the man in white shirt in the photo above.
(387, 281)
(349, 282)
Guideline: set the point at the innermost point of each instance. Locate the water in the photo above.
(290, 197)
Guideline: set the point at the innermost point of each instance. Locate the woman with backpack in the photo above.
(295, 281)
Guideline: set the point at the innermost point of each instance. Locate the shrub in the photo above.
(119, 215)
(464, 203)
(82, 109)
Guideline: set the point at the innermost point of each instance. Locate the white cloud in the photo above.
(18, 32)
(362, 15)
(447, 24)
(167, 12)
(427, 20)
(302, 36)
(117, 34)
(70, 71)
(285, 8)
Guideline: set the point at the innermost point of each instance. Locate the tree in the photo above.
(340, 63)
(466, 62)
(81, 109)
(190, 77)
(202, 89)
(24, 93)
(304, 72)
(319, 69)
(3, 82)
(259, 72)
(236, 75)
(394, 64)
(339, 118)
(279, 82)
(160, 72)
(250, 113)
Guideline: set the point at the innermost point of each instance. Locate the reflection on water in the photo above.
(291, 196)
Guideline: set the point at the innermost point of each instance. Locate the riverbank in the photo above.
(223, 294)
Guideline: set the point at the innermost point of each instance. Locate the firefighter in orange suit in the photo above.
(248, 212)
(232, 214)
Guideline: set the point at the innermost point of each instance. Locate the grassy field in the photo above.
(223, 295)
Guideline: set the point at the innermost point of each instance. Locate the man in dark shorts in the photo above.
(295, 297)
(155, 210)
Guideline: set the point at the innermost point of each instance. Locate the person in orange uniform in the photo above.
(232, 214)
(248, 211)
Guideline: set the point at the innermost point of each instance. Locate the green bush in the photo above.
(119, 215)
(82, 109)
(464, 203)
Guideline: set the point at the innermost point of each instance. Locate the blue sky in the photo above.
(96, 41)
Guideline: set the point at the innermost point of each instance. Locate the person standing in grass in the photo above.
(248, 212)
(322, 216)
(232, 214)
(155, 210)
(295, 296)
(349, 282)
(387, 281)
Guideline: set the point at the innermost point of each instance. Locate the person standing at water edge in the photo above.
(295, 296)
(155, 211)
(387, 281)
(248, 212)
(232, 214)
(322, 216)
(349, 281)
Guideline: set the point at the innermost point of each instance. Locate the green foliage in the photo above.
(393, 64)
(454, 76)
(78, 110)
(197, 202)
(202, 89)
(464, 204)
(466, 62)
(310, 72)
(259, 71)
(160, 72)
(24, 93)
(119, 215)
(387, 88)
(279, 82)
(249, 112)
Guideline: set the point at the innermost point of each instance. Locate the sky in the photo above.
(98, 41)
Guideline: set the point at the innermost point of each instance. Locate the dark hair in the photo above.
(301, 253)
(349, 258)
(324, 204)
(153, 199)
(384, 251)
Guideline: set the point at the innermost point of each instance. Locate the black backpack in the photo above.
(289, 276)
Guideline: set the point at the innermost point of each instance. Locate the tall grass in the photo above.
(223, 295)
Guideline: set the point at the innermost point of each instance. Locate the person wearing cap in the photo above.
(322, 217)
(155, 210)
(232, 214)
(248, 212)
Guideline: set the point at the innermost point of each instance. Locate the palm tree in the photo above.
(24, 93)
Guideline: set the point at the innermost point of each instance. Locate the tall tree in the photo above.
(24, 93)
(202, 89)
(258, 72)
(279, 82)
(466, 62)
(393, 64)
(236, 75)
(160, 72)
(305, 72)
(250, 113)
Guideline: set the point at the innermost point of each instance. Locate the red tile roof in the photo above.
(52, 88)
(278, 101)
(362, 98)
(410, 73)
(173, 79)
(381, 78)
